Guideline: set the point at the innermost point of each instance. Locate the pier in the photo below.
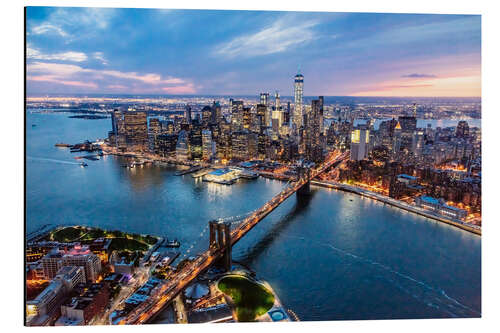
(188, 171)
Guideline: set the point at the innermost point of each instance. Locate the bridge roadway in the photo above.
(166, 292)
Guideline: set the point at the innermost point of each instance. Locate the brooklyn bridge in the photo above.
(223, 235)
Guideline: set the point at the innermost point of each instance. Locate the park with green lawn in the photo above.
(121, 241)
(250, 298)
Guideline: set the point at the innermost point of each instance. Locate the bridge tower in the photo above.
(220, 239)
(304, 172)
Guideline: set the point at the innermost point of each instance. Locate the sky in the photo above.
(205, 52)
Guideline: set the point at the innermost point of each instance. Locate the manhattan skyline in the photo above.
(79, 50)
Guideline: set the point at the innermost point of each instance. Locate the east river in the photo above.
(331, 256)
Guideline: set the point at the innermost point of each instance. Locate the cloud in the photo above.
(397, 86)
(48, 28)
(77, 76)
(32, 53)
(74, 23)
(419, 76)
(454, 29)
(450, 85)
(100, 56)
(280, 36)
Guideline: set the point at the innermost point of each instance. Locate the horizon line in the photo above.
(257, 95)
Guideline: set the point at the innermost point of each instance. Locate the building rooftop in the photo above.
(220, 172)
(456, 209)
(51, 289)
(79, 250)
(403, 175)
(430, 200)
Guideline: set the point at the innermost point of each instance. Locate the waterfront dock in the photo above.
(201, 172)
(188, 171)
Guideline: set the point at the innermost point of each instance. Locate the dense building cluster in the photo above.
(446, 162)
(73, 296)
(73, 283)
(266, 130)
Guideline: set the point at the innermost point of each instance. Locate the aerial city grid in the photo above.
(278, 186)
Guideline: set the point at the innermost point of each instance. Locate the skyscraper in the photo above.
(182, 147)
(196, 141)
(408, 126)
(247, 118)
(298, 94)
(313, 147)
(154, 129)
(206, 137)
(264, 98)
(216, 113)
(136, 129)
(117, 134)
(262, 115)
(237, 115)
(360, 138)
(462, 130)
(396, 139)
(206, 115)
(277, 98)
(188, 114)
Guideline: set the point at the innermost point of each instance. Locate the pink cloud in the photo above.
(452, 85)
(77, 76)
(53, 79)
(116, 86)
(179, 90)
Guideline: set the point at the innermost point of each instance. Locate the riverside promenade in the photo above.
(397, 203)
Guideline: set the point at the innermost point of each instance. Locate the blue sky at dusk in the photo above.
(142, 51)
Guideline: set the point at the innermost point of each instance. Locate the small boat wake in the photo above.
(51, 160)
(432, 297)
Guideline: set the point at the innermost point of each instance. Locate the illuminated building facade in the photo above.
(83, 257)
(264, 100)
(408, 127)
(244, 145)
(117, 134)
(166, 145)
(216, 113)
(136, 129)
(396, 140)
(39, 310)
(312, 131)
(187, 114)
(224, 151)
(206, 136)
(360, 138)
(206, 115)
(462, 130)
(182, 146)
(261, 116)
(439, 206)
(196, 142)
(154, 129)
(237, 115)
(247, 118)
(222, 176)
(298, 96)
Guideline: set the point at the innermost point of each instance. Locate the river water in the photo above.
(329, 256)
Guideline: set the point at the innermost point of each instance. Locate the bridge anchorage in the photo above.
(220, 240)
